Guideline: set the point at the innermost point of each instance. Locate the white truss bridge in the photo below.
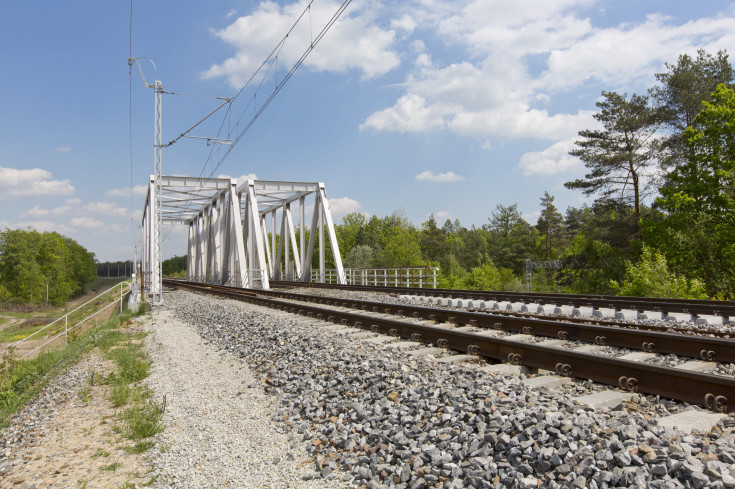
(230, 241)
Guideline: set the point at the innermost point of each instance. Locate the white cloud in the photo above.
(473, 101)
(63, 149)
(37, 211)
(439, 177)
(342, 206)
(86, 222)
(73, 202)
(633, 52)
(552, 160)
(521, 57)
(138, 190)
(241, 179)
(442, 216)
(107, 208)
(405, 23)
(40, 226)
(410, 114)
(531, 217)
(255, 35)
(34, 182)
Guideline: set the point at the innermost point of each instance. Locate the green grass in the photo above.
(141, 418)
(112, 467)
(25, 379)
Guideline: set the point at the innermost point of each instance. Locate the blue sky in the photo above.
(434, 107)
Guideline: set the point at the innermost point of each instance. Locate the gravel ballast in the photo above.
(358, 415)
(218, 431)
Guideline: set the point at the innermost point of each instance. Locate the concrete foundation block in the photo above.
(697, 366)
(519, 337)
(637, 356)
(626, 315)
(551, 342)
(589, 348)
(402, 345)
(380, 339)
(688, 421)
(546, 381)
(425, 352)
(608, 399)
(507, 369)
(568, 310)
(457, 358)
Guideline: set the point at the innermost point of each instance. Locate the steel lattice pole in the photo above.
(156, 287)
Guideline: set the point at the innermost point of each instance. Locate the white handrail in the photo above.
(65, 317)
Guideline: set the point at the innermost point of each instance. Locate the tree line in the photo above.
(662, 170)
(42, 268)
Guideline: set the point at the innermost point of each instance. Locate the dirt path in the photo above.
(65, 437)
(12, 321)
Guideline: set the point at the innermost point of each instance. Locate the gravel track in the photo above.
(218, 432)
(375, 418)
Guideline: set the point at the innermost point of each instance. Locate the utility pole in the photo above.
(155, 242)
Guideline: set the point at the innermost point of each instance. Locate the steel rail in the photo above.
(710, 391)
(701, 347)
(725, 309)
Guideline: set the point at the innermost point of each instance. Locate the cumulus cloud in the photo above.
(552, 160)
(86, 222)
(342, 206)
(254, 36)
(63, 149)
(29, 183)
(138, 190)
(37, 211)
(520, 57)
(106, 208)
(439, 177)
(40, 226)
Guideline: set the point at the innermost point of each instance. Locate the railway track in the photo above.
(481, 334)
(696, 308)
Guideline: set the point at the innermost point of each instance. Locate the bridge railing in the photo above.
(419, 277)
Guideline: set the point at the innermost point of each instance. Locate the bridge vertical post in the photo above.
(256, 236)
(237, 242)
(332, 235)
(322, 266)
(268, 249)
(275, 264)
(190, 253)
(302, 236)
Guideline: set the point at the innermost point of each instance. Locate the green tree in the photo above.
(511, 239)
(42, 267)
(489, 277)
(550, 225)
(683, 87)
(651, 277)
(698, 233)
(361, 256)
(432, 240)
(620, 155)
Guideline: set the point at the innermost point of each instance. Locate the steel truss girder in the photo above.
(228, 230)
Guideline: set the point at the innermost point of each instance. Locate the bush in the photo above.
(651, 277)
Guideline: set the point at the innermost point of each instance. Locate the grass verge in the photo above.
(141, 417)
(23, 380)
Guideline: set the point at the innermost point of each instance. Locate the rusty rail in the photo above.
(710, 391)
